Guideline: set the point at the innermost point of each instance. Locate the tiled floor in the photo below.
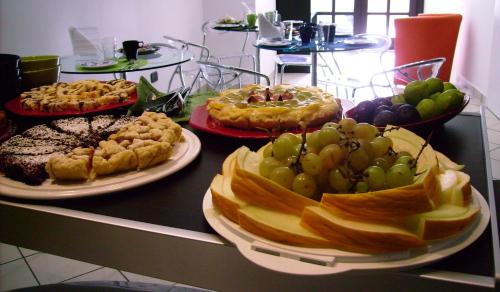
(21, 267)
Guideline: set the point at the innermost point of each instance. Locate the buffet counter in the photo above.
(159, 229)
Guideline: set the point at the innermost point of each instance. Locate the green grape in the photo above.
(365, 131)
(290, 160)
(381, 145)
(338, 182)
(358, 160)
(328, 136)
(268, 151)
(408, 160)
(330, 125)
(361, 187)
(267, 165)
(313, 142)
(283, 147)
(375, 177)
(399, 175)
(390, 158)
(304, 184)
(292, 137)
(331, 155)
(367, 146)
(381, 162)
(283, 176)
(311, 164)
(403, 153)
(346, 125)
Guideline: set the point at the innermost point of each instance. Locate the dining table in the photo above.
(159, 228)
(296, 46)
(162, 56)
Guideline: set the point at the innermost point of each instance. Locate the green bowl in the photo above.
(37, 78)
(34, 63)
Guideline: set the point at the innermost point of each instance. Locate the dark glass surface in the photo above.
(176, 200)
(337, 45)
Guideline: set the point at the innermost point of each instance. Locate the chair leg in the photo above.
(282, 73)
(275, 73)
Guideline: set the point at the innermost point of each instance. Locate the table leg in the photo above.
(314, 73)
(122, 75)
(257, 63)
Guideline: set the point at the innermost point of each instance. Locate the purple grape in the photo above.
(382, 101)
(407, 114)
(381, 108)
(364, 112)
(384, 118)
(396, 106)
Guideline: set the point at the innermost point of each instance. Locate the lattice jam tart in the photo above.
(143, 143)
(282, 106)
(80, 95)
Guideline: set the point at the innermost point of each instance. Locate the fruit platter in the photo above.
(423, 105)
(345, 197)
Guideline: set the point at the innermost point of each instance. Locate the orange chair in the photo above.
(425, 37)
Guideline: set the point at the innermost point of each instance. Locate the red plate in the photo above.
(426, 125)
(200, 120)
(14, 106)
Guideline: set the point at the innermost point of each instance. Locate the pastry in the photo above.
(279, 107)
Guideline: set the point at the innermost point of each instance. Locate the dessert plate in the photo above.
(320, 261)
(98, 64)
(200, 120)
(271, 43)
(183, 154)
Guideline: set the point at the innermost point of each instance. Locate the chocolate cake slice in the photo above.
(44, 132)
(121, 122)
(29, 169)
(79, 127)
(19, 140)
(32, 150)
(101, 122)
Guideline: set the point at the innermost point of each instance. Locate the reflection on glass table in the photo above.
(164, 57)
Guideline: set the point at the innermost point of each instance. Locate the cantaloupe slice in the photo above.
(229, 163)
(280, 227)
(356, 236)
(260, 191)
(224, 199)
(447, 182)
(445, 221)
(462, 194)
(389, 205)
(446, 163)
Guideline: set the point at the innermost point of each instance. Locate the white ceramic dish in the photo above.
(227, 25)
(316, 261)
(97, 64)
(184, 153)
(271, 43)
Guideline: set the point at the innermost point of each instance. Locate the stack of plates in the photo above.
(39, 70)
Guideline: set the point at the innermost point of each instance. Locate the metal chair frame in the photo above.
(402, 74)
(223, 72)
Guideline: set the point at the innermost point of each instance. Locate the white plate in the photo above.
(98, 64)
(270, 43)
(227, 25)
(359, 41)
(317, 261)
(184, 153)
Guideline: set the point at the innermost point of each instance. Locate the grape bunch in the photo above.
(343, 157)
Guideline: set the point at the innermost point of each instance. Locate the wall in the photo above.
(31, 27)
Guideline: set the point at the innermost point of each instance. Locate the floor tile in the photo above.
(493, 146)
(144, 279)
(8, 253)
(493, 136)
(60, 268)
(495, 169)
(16, 275)
(27, 252)
(471, 108)
(102, 274)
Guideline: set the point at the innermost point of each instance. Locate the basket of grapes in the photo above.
(423, 105)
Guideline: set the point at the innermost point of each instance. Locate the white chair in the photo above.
(284, 60)
(396, 78)
(220, 77)
(338, 77)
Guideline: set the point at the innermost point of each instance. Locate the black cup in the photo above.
(329, 33)
(130, 49)
(306, 33)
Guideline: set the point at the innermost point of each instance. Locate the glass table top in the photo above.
(341, 43)
(164, 57)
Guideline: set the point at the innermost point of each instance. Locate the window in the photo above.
(364, 16)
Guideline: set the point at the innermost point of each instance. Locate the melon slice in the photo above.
(445, 221)
(260, 191)
(224, 199)
(447, 182)
(389, 205)
(356, 236)
(446, 163)
(229, 163)
(280, 227)
(462, 194)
